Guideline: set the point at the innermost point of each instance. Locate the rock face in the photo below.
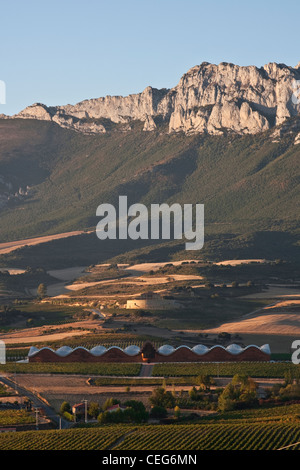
(208, 99)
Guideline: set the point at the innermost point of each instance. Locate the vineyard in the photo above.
(217, 436)
(84, 368)
(181, 371)
(226, 369)
(70, 439)
(212, 437)
(10, 417)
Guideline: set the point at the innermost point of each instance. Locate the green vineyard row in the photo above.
(84, 368)
(226, 369)
(217, 436)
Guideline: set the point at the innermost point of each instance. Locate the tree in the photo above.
(65, 407)
(104, 417)
(177, 412)
(136, 411)
(41, 291)
(193, 393)
(109, 402)
(205, 381)
(161, 397)
(93, 409)
(158, 412)
(225, 403)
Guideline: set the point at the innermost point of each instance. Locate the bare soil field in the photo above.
(147, 267)
(276, 291)
(43, 333)
(8, 247)
(276, 324)
(284, 303)
(136, 280)
(237, 262)
(12, 271)
(62, 288)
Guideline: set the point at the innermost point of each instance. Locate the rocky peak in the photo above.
(209, 98)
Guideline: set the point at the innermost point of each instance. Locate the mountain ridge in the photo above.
(209, 98)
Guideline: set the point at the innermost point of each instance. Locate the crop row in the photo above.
(213, 437)
(221, 436)
(69, 439)
(226, 369)
(83, 368)
(10, 417)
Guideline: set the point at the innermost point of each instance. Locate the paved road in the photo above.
(146, 370)
(37, 403)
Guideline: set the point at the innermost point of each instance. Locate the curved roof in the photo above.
(200, 349)
(64, 351)
(234, 349)
(132, 350)
(266, 348)
(165, 350)
(98, 350)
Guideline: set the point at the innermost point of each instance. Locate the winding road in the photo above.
(37, 403)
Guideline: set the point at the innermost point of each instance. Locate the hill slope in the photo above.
(53, 179)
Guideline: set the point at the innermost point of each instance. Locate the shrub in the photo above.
(158, 412)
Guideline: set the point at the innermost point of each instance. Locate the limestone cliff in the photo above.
(209, 98)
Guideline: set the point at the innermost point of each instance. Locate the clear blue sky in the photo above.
(59, 52)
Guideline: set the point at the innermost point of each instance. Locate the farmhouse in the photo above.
(78, 408)
(148, 353)
(116, 407)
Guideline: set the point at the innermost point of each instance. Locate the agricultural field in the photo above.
(73, 439)
(30, 314)
(225, 369)
(220, 436)
(83, 368)
(11, 417)
(225, 436)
